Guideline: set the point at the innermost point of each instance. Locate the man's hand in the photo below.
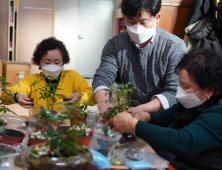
(23, 100)
(103, 108)
(143, 116)
(135, 109)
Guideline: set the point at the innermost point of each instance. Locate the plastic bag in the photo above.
(129, 155)
(12, 152)
(99, 160)
(138, 165)
(104, 144)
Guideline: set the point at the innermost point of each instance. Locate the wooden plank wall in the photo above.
(174, 16)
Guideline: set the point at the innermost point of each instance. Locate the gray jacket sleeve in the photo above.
(106, 73)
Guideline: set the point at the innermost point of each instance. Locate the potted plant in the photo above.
(12, 128)
(36, 136)
(120, 102)
(81, 113)
(39, 125)
(121, 99)
(48, 93)
(104, 139)
(62, 151)
(84, 133)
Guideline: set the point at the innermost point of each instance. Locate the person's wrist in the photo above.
(15, 97)
(79, 95)
(132, 124)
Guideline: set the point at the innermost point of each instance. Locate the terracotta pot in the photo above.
(33, 141)
(78, 120)
(12, 137)
(85, 140)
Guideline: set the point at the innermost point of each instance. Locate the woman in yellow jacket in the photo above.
(50, 55)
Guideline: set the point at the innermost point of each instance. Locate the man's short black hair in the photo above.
(133, 8)
(50, 43)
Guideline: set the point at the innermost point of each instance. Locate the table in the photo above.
(139, 144)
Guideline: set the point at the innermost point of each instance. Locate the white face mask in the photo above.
(51, 70)
(140, 34)
(188, 100)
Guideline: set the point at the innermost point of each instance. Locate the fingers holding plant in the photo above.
(23, 100)
(124, 122)
(74, 96)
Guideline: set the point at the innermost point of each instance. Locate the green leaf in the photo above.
(105, 129)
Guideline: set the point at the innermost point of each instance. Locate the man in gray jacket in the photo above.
(145, 55)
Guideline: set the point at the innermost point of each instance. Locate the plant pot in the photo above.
(85, 140)
(58, 108)
(80, 162)
(78, 121)
(33, 141)
(104, 144)
(12, 137)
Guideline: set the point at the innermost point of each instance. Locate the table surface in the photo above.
(137, 145)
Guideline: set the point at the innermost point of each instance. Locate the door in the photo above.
(95, 24)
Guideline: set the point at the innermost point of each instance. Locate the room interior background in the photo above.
(83, 25)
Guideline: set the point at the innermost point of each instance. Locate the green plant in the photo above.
(82, 130)
(61, 142)
(49, 92)
(121, 99)
(5, 94)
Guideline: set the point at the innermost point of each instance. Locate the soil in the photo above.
(14, 133)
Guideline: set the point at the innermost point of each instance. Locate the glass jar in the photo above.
(36, 162)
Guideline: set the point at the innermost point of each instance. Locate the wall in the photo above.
(115, 20)
(65, 27)
(4, 10)
(35, 22)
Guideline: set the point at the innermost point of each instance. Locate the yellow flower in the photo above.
(36, 148)
(116, 162)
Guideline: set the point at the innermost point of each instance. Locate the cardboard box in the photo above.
(15, 71)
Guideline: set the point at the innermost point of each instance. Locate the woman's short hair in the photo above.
(133, 8)
(47, 44)
(204, 67)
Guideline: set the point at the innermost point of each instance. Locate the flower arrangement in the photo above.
(37, 134)
(82, 130)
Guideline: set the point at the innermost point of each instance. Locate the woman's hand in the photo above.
(23, 100)
(143, 116)
(74, 96)
(123, 122)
